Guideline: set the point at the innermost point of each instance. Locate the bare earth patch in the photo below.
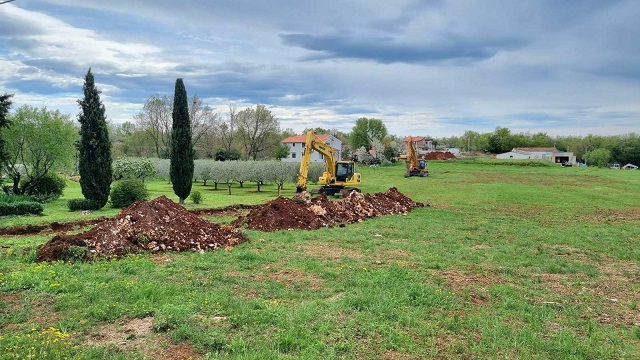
(619, 293)
(475, 284)
(138, 335)
(328, 251)
(614, 296)
(41, 310)
(614, 215)
(295, 277)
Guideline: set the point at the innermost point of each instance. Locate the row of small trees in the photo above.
(240, 172)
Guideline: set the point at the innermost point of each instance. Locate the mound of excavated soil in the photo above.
(157, 225)
(283, 213)
(439, 155)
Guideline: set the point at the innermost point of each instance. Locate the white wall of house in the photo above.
(539, 155)
(514, 155)
(296, 150)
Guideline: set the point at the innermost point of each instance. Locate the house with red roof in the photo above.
(422, 143)
(296, 147)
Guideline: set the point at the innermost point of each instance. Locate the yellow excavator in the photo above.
(415, 166)
(339, 177)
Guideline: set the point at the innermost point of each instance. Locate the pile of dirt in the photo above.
(439, 155)
(283, 213)
(158, 225)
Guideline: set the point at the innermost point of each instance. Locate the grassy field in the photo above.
(506, 262)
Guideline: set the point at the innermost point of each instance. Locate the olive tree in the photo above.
(228, 172)
(202, 170)
(281, 172)
(162, 168)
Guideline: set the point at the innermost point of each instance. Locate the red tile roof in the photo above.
(302, 138)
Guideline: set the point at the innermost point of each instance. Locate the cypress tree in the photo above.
(94, 146)
(181, 168)
(5, 104)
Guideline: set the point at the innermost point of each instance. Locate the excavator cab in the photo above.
(422, 164)
(344, 170)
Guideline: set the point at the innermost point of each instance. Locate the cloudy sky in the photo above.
(427, 67)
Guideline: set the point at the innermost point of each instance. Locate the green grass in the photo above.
(506, 262)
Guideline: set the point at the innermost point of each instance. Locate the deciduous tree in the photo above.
(598, 157)
(38, 141)
(365, 131)
(258, 130)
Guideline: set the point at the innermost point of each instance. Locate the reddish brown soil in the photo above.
(283, 213)
(439, 155)
(158, 225)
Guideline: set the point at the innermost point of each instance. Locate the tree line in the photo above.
(622, 149)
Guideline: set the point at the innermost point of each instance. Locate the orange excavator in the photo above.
(415, 166)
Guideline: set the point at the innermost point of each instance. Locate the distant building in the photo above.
(540, 153)
(423, 143)
(296, 147)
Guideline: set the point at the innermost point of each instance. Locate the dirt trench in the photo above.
(161, 225)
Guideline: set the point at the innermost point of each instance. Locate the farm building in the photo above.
(514, 155)
(549, 154)
(296, 147)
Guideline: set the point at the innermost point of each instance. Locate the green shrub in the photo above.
(126, 192)
(21, 208)
(11, 198)
(44, 189)
(196, 197)
(82, 204)
(74, 253)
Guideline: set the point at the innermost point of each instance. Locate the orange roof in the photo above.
(302, 138)
(536, 149)
(415, 138)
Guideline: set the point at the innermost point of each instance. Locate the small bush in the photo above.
(74, 253)
(385, 162)
(126, 192)
(21, 208)
(196, 197)
(82, 204)
(44, 189)
(11, 198)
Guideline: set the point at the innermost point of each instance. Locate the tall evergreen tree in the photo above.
(5, 104)
(94, 147)
(181, 168)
